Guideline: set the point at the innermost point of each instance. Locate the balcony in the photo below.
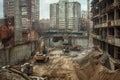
(112, 23)
(117, 23)
(105, 24)
(95, 36)
(98, 25)
(117, 41)
(110, 39)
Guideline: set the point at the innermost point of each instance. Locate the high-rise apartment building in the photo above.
(9, 8)
(35, 10)
(65, 15)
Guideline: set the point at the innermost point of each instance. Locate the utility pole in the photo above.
(88, 17)
(88, 8)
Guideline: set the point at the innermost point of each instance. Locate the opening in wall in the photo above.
(111, 50)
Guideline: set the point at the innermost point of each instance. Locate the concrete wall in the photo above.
(75, 41)
(15, 54)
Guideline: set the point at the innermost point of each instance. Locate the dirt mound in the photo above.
(95, 70)
(63, 70)
(86, 66)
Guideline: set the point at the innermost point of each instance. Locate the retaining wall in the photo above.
(13, 55)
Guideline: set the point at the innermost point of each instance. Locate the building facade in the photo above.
(106, 21)
(45, 24)
(35, 10)
(29, 10)
(9, 8)
(25, 13)
(65, 15)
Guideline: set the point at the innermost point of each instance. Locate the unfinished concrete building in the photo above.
(17, 41)
(106, 18)
(28, 7)
(25, 13)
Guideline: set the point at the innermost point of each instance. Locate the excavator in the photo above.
(39, 55)
(42, 53)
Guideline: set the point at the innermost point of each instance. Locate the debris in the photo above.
(27, 68)
(12, 74)
(58, 68)
(37, 78)
(76, 48)
(85, 65)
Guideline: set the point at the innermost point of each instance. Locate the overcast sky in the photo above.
(1, 8)
(44, 7)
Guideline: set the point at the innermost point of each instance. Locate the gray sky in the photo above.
(1, 8)
(44, 7)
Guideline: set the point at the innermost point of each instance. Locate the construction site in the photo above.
(73, 47)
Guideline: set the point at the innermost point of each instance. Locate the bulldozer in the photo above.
(42, 53)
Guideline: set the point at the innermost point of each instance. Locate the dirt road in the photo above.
(58, 68)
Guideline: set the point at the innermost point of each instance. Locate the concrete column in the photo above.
(115, 1)
(115, 52)
(115, 14)
(115, 31)
(112, 65)
(18, 29)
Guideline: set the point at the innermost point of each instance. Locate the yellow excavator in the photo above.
(42, 53)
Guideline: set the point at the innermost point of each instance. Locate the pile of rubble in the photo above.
(12, 74)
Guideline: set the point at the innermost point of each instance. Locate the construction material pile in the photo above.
(12, 74)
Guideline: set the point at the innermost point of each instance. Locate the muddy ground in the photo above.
(59, 67)
(85, 65)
